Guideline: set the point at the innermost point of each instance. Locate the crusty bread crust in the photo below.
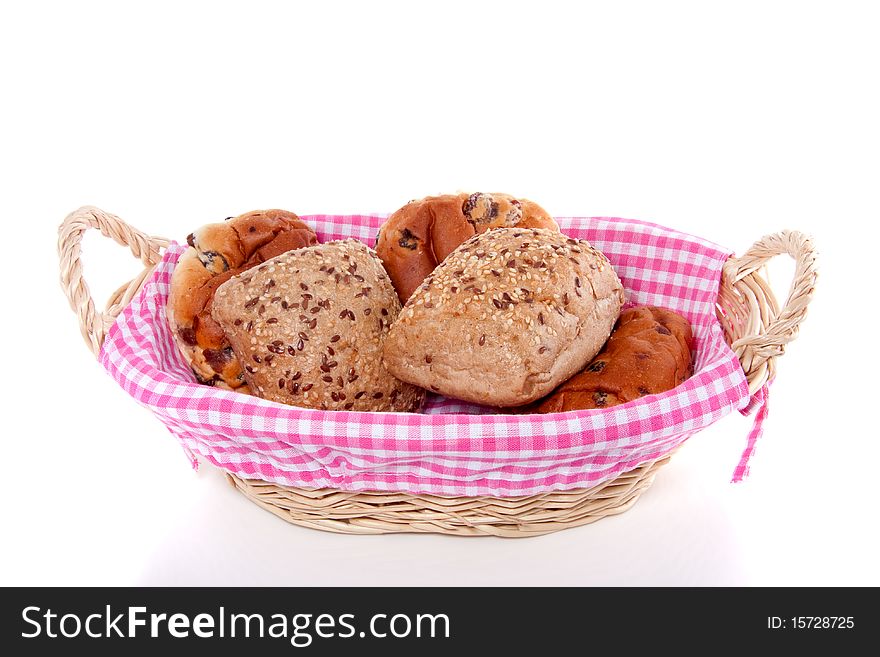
(309, 327)
(416, 238)
(217, 252)
(506, 317)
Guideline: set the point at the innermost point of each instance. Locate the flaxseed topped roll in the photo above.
(309, 327)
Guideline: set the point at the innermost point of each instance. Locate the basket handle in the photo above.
(755, 327)
(93, 323)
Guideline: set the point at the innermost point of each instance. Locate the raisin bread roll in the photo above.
(506, 318)
(648, 352)
(416, 238)
(217, 253)
(309, 326)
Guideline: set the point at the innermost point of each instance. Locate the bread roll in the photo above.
(416, 238)
(217, 253)
(649, 352)
(506, 317)
(309, 326)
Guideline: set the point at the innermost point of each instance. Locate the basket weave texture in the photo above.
(590, 484)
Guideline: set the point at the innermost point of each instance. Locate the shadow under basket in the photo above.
(754, 325)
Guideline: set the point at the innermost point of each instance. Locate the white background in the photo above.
(726, 123)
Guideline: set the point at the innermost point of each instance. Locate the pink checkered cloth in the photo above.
(453, 448)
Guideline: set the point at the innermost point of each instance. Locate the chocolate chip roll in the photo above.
(218, 252)
(419, 236)
(648, 352)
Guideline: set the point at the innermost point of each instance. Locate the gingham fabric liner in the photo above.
(453, 448)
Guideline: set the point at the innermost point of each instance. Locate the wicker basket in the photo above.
(753, 323)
